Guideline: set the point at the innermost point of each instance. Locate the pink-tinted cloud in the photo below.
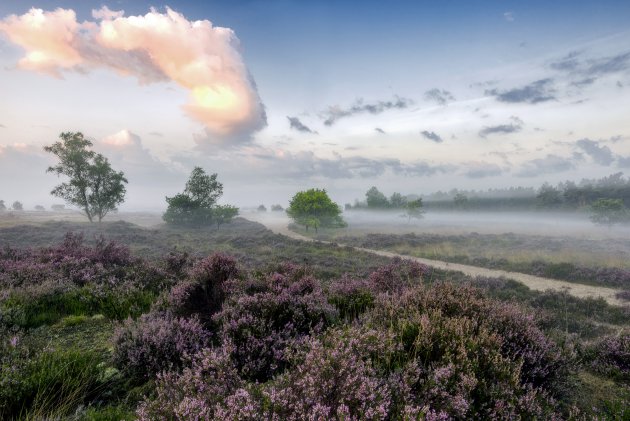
(202, 58)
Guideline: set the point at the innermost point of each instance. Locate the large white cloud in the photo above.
(202, 58)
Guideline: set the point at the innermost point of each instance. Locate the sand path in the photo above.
(533, 282)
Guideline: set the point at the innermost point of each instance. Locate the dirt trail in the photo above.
(533, 282)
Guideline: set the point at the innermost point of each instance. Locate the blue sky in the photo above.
(418, 96)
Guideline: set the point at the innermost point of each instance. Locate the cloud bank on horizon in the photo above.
(157, 47)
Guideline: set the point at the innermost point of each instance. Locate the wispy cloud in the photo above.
(432, 136)
(548, 165)
(515, 126)
(600, 154)
(335, 113)
(538, 91)
(478, 169)
(201, 58)
(296, 124)
(508, 16)
(379, 130)
(440, 96)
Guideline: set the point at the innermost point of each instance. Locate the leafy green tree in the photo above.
(460, 201)
(375, 199)
(17, 206)
(549, 197)
(313, 208)
(609, 212)
(413, 209)
(3, 207)
(197, 204)
(93, 185)
(397, 201)
(222, 214)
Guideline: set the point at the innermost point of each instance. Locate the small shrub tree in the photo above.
(413, 209)
(262, 208)
(17, 206)
(3, 207)
(277, 208)
(313, 208)
(93, 185)
(197, 204)
(40, 208)
(609, 212)
(375, 199)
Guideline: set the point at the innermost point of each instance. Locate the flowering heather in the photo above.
(262, 327)
(156, 342)
(205, 289)
(612, 356)
(209, 389)
(398, 275)
(335, 380)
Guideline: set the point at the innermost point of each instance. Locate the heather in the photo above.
(217, 336)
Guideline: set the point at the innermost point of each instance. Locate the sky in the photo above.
(280, 96)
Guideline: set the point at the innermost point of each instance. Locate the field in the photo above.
(112, 319)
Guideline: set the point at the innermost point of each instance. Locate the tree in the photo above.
(40, 208)
(460, 201)
(549, 197)
(17, 206)
(262, 208)
(223, 214)
(197, 204)
(58, 207)
(397, 201)
(413, 209)
(376, 199)
(313, 208)
(277, 208)
(93, 185)
(3, 207)
(609, 212)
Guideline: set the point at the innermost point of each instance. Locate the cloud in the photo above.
(481, 169)
(296, 124)
(441, 96)
(201, 58)
(379, 130)
(623, 161)
(533, 93)
(431, 136)
(508, 16)
(547, 165)
(600, 154)
(306, 165)
(2, 126)
(335, 113)
(515, 126)
(586, 70)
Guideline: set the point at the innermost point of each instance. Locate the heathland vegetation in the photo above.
(185, 321)
(226, 327)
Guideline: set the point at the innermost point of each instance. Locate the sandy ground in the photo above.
(279, 224)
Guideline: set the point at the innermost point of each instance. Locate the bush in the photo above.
(263, 327)
(336, 379)
(611, 357)
(205, 290)
(202, 391)
(157, 342)
(352, 297)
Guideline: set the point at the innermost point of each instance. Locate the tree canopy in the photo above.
(313, 208)
(197, 204)
(92, 184)
(609, 212)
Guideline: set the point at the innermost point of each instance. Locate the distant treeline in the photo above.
(568, 195)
